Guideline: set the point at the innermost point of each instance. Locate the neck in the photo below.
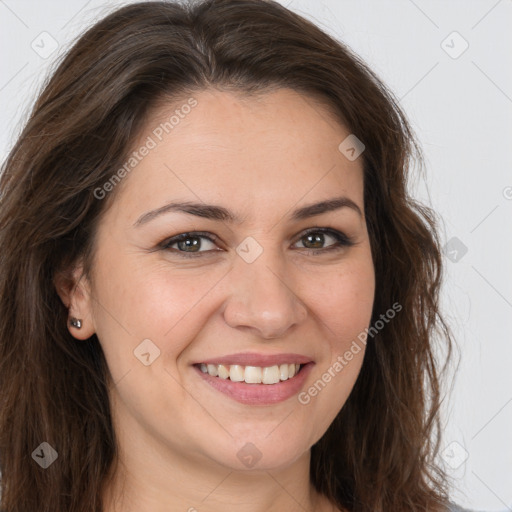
(151, 484)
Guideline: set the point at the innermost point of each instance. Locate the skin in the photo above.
(178, 437)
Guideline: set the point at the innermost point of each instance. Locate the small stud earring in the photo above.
(75, 322)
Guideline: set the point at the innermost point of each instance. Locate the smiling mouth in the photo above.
(252, 374)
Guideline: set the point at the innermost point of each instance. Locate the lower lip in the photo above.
(259, 394)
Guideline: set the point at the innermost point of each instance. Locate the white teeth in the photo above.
(270, 375)
(252, 374)
(223, 371)
(212, 370)
(236, 373)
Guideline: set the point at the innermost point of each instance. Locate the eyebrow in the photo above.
(219, 213)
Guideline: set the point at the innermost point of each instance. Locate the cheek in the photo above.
(344, 303)
(138, 301)
(343, 300)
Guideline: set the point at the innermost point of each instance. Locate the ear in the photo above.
(74, 291)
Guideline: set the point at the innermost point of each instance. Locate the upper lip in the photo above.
(253, 359)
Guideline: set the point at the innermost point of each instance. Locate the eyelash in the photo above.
(342, 241)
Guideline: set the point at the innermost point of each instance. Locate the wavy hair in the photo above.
(379, 453)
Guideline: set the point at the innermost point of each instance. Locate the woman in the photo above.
(216, 292)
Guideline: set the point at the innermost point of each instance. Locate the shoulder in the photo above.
(455, 508)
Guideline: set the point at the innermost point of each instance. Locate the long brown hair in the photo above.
(379, 453)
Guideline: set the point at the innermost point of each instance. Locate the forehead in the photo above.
(266, 151)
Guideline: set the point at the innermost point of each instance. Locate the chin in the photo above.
(261, 453)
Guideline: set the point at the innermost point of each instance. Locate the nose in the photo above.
(263, 299)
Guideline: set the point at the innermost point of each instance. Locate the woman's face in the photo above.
(258, 291)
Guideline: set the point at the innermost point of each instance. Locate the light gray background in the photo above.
(460, 107)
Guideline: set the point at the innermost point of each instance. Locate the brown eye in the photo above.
(192, 244)
(315, 240)
(188, 244)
